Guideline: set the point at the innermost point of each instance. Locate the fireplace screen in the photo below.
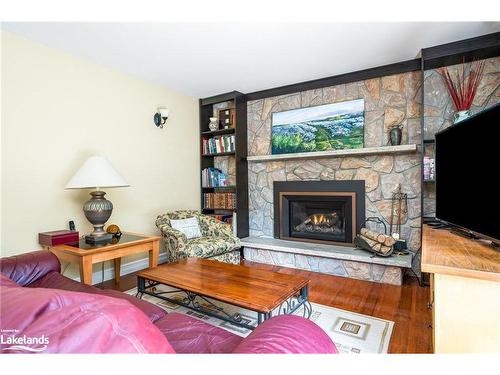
(320, 218)
(330, 212)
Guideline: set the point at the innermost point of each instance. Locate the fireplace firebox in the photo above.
(319, 211)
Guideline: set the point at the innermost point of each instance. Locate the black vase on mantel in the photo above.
(395, 135)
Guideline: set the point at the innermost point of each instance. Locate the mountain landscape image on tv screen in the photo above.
(326, 127)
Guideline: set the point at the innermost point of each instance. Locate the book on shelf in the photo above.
(235, 223)
(220, 201)
(218, 145)
(213, 177)
(226, 118)
(429, 168)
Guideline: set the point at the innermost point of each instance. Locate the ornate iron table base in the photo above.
(201, 304)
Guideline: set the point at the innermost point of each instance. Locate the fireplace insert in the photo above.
(319, 211)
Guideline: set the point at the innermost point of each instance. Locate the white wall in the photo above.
(56, 111)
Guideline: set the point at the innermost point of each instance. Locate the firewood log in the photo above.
(385, 249)
(379, 237)
(389, 241)
(373, 244)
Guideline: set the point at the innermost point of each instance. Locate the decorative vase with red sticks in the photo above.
(462, 86)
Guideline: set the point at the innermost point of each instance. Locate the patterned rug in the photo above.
(351, 332)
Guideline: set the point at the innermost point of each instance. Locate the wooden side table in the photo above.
(86, 255)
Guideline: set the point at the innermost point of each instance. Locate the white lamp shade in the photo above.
(96, 172)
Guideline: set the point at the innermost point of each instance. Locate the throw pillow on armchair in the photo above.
(190, 227)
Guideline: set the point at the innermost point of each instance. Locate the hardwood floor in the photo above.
(405, 305)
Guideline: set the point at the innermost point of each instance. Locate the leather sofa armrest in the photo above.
(29, 267)
(287, 334)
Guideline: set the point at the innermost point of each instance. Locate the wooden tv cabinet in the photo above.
(465, 292)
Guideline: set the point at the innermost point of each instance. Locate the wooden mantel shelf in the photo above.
(450, 254)
(401, 149)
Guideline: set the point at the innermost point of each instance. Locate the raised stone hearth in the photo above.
(330, 259)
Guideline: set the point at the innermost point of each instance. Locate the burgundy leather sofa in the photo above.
(38, 302)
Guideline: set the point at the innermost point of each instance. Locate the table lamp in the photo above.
(96, 173)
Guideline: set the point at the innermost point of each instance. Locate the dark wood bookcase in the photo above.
(209, 108)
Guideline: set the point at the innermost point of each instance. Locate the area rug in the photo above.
(351, 332)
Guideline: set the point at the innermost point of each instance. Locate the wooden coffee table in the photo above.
(247, 287)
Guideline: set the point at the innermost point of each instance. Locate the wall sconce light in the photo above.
(160, 117)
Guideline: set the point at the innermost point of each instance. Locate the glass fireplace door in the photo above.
(318, 217)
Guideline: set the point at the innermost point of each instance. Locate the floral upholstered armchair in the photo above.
(217, 241)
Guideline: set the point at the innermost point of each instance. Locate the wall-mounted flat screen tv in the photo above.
(468, 174)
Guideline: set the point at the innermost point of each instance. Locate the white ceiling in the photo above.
(203, 59)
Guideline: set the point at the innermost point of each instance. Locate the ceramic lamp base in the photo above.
(97, 210)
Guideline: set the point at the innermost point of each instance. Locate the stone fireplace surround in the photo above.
(388, 100)
(331, 258)
(320, 256)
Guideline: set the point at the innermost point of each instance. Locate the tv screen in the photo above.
(468, 174)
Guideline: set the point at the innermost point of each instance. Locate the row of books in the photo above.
(429, 168)
(222, 201)
(218, 145)
(213, 177)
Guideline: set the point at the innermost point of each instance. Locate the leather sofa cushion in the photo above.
(76, 322)
(5, 281)
(287, 334)
(55, 280)
(29, 267)
(190, 335)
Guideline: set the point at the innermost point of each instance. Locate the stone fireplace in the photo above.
(329, 212)
(314, 226)
(389, 101)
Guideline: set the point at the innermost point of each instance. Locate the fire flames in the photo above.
(321, 223)
(321, 219)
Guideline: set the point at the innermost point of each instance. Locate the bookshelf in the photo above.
(229, 156)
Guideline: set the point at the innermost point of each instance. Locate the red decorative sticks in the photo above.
(463, 87)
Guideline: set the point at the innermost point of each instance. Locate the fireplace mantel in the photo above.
(401, 149)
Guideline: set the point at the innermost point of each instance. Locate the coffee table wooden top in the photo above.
(254, 289)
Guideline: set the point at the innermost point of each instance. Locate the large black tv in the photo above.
(468, 174)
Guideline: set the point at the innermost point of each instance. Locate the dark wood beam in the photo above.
(360, 75)
(481, 47)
